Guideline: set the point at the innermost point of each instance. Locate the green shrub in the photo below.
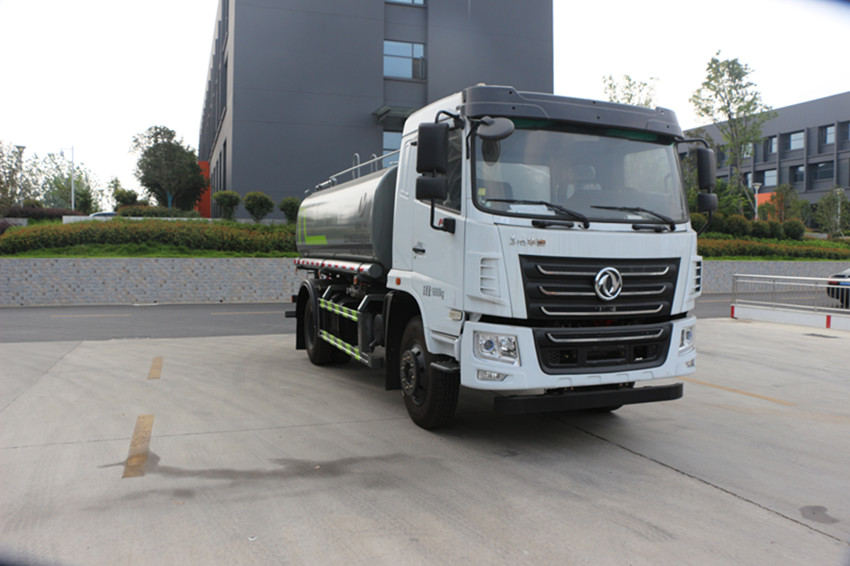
(289, 206)
(738, 225)
(776, 230)
(258, 205)
(698, 220)
(718, 223)
(794, 229)
(761, 229)
(227, 201)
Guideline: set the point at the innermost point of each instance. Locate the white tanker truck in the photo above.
(527, 244)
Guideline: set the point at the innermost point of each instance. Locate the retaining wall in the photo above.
(68, 281)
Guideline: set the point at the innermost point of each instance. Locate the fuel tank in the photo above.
(352, 221)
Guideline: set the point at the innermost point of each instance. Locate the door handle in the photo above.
(418, 249)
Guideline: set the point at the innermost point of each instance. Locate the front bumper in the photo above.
(575, 400)
(528, 374)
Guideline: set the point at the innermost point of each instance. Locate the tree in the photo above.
(630, 91)
(786, 204)
(258, 205)
(14, 181)
(168, 169)
(122, 196)
(227, 201)
(51, 178)
(730, 100)
(833, 212)
(289, 206)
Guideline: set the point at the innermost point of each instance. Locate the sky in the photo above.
(91, 74)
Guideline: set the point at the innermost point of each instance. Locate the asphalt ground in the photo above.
(236, 450)
(109, 322)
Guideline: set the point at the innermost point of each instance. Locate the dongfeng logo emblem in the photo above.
(608, 284)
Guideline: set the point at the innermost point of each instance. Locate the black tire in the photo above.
(430, 396)
(320, 352)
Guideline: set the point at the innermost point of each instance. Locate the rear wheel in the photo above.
(320, 352)
(430, 396)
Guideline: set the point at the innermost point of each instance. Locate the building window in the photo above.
(404, 60)
(823, 171)
(770, 145)
(793, 141)
(770, 178)
(827, 135)
(797, 174)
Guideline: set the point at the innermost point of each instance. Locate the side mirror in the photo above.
(431, 188)
(432, 155)
(494, 129)
(706, 169)
(432, 162)
(706, 202)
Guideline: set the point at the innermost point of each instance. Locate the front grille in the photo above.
(614, 348)
(563, 289)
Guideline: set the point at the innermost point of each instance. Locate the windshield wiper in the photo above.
(551, 206)
(666, 219)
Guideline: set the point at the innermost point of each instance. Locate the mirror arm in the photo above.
(445, 225)
(707, 224)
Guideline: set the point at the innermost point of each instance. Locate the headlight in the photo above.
(686, 342)
(496, 347)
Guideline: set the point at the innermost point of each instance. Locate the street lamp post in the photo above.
(756, 188)
(72, 174)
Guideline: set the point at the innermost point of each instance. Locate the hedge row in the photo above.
(39, 213)
(140, 210)
(193, 235)
(738, 225)
(732, 247)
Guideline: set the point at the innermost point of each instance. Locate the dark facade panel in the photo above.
(297, 87)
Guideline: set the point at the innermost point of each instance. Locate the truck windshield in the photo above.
(603, 174)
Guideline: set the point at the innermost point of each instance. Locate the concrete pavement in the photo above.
(235, 450)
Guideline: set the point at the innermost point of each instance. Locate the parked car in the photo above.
(102, 214)
(839, 288)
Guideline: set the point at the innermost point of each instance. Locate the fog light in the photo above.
(496, 347)
(686, 342)
(484, 375)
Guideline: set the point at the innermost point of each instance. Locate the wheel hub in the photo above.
(413, 372)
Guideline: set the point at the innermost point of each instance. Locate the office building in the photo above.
(806, 146)
(296, 88)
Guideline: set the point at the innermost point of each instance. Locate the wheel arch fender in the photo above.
(399, 308)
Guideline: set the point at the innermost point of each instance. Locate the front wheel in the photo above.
(429, 395)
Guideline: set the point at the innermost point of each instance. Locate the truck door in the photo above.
(437, 256)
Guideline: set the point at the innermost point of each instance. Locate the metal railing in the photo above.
(801, 294)
(375, 163)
